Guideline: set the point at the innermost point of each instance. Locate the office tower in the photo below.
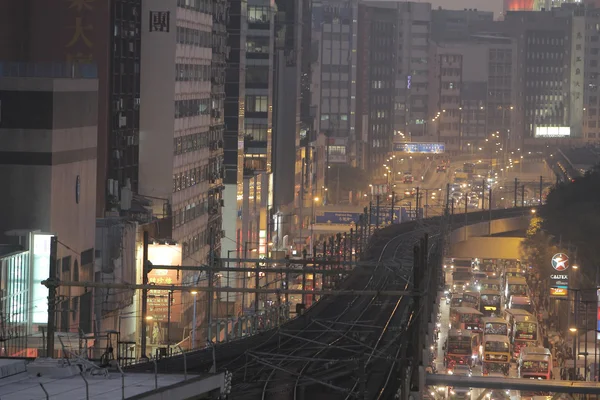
(235, 97)
(289, 156)
(181, 125)
(119, 151)
(393, 74)
(334, 29)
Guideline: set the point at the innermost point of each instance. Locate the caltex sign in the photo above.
(560, 262)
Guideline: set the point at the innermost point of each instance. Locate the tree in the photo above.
(572, 216)
(537, 248)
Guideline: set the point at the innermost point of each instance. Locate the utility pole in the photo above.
(392, 213)
(426, 201)
(209, 303)
(145, 269)
(447, 210)
(377, 212)
(483, 195)
(52, 296)
(523, 196)
(516, 190)
(417, 204)
(170, 299)
(541, 188)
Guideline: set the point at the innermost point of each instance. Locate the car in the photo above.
(410, 192)
(408, 178)
(441, 168)
(457, 195)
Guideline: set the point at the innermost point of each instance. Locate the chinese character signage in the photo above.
(577, 75)
(160, 21)
(426, 148)
(80, 32)
(158, 300)
(332, 217)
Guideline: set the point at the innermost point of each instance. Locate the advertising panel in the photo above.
(424, 148)
(559, 280)
(40, 269)
(158, 300)
(552, 131)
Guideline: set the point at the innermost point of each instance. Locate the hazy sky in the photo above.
(484, 5)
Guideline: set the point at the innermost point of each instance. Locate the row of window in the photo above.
(195, 242)
(258, 132)
(334, 117)
(190, 212)
(258, 44)
(194, 37)
(257, 103)
(189, 178)
(203, 6)
(545, 40)
(545, 55)
(259, 14)
(191, 142)
(192, 73)
(191, 108)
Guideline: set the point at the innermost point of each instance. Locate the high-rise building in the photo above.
(393, 74)
(49, 171)
(534, 5)
(591, 72)
(289, 159)
(235, 97)
(118, 166)
(181, 125)
(548, 71)
(334, 30)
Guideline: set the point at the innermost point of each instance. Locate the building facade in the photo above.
(49, 168)
(181, 125)
(334, 30)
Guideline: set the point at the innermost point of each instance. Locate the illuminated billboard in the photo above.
(552, 131)
(158, 300)
(425, 148)
(559, 292)
(40, 271)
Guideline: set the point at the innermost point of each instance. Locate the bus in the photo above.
(489, 268)
(490, 303)
(471, 299)
(457, 299)
(520, 303)
(496, 326)
(495, 354)
(462, 347)
(515, 287)
(536, 364)
(466, 318)
(524, 332)
(460, 279)
(491, 284)
(476, 280)
(462, 264)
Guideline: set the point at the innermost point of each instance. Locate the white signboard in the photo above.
(552, 131)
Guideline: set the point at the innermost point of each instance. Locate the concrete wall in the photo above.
(483, 228)
(471, 240)
(487, 247)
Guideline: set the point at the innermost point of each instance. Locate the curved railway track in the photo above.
(319, 355)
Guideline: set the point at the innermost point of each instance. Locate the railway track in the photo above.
(333, 355)
(344, 345)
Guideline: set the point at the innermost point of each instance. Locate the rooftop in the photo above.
(27, 386)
